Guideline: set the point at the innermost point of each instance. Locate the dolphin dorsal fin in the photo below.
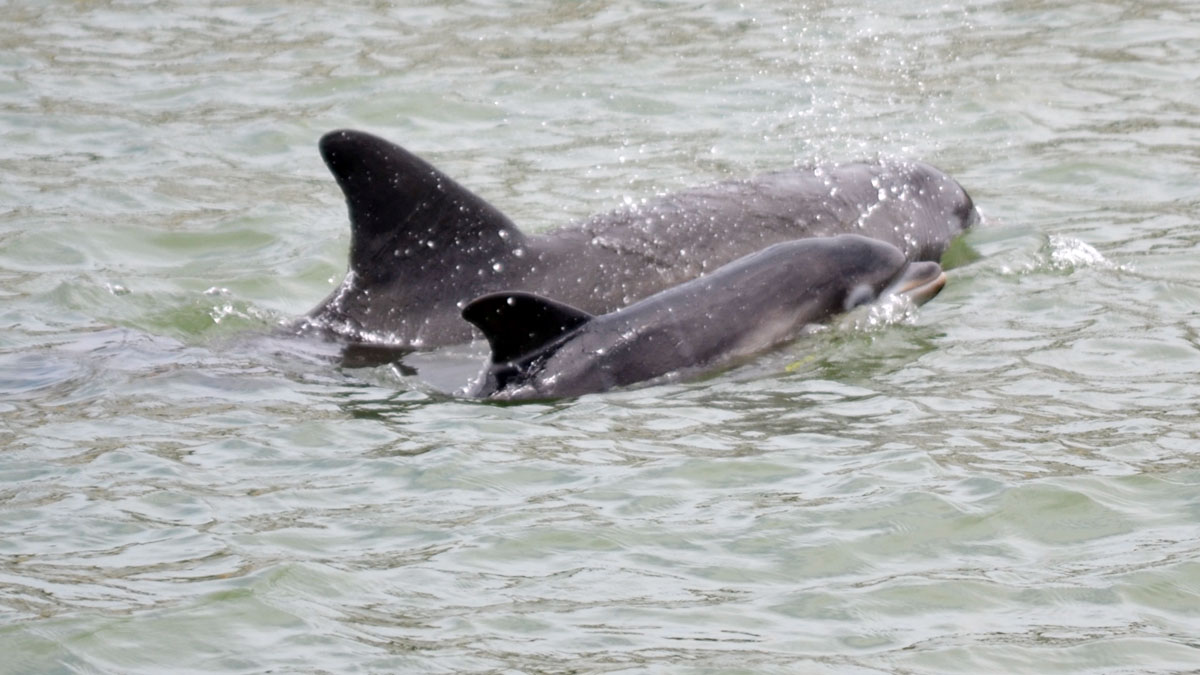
(517, 323)
(398, 201)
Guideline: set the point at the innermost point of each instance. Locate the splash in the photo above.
(889, 310)
(892, 309)
(1069, 253)
(239, 311)
(1060, 253)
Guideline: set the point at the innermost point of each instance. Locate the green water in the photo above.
(1005, 481)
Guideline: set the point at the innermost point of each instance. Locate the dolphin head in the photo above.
(871, 270)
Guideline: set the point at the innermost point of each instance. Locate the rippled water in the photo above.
(1004, 481)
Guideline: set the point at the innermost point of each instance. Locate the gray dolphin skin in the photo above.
(423, 246)
(545, 349)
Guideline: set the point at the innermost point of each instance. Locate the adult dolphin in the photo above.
(545, 349)
(422, 246)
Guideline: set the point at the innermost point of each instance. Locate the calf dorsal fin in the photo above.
(400, 203)
(516, 324)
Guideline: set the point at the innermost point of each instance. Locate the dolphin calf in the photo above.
(546, 349)
(422, 246)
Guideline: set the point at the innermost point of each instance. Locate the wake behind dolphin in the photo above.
(423, 246)
(545, 349)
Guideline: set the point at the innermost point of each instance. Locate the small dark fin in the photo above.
(399, 202)
(516, 323)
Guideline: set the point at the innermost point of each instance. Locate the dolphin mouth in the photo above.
(918, 282)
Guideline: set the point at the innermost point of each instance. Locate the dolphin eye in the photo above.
(859, 295)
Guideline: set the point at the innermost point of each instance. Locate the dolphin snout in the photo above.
(919, 282)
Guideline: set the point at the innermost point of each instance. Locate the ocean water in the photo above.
(1004, 480)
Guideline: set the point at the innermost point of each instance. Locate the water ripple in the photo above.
(1002, 480)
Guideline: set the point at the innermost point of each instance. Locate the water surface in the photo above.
(1005, 480)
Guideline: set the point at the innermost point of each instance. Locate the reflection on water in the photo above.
(1004, 483)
